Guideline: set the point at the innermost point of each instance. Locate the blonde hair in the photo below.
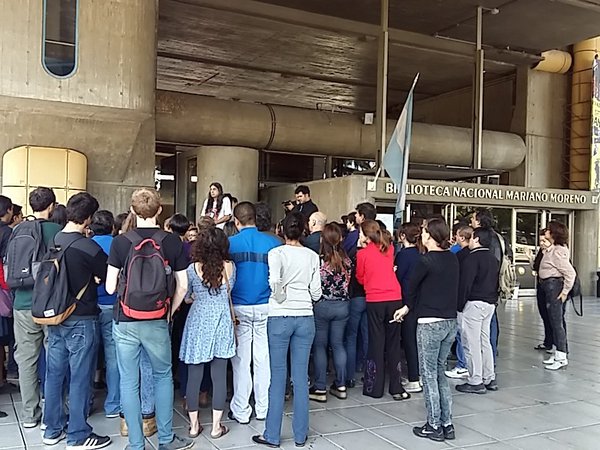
(145, 203)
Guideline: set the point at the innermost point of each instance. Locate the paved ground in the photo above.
(534, 409)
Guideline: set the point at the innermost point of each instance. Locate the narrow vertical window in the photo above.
(59, 49)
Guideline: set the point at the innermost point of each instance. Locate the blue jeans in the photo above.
(131, 339)
(147, 384)
(297, 334)
(434, 341)
(112, 403)
(331, 317)
(460, 352)
(357, 321)
(494, 335)
(71, 345)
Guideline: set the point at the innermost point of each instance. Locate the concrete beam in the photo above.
(397, 37)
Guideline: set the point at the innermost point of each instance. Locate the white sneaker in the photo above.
(457, 373)
(413, 387)
(43, 426)
(560, 361)
(30, 424)
(56, 440)
(549, 360)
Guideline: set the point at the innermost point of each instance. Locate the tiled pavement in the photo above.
(534, 409)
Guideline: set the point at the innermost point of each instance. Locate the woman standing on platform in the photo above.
(406, 259)
(217, 206)
(208, 335)
(433, 297)
(295, 284)
(557, 277)
(375, 271)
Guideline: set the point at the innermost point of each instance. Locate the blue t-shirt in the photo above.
(455, 248)
(104, 298)
(249, 251)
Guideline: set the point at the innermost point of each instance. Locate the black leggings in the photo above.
(218, 372)
(409, 344)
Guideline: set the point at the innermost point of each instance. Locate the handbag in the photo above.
(6, 303)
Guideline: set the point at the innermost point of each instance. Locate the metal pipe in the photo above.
(382, 81)
(197, 120)
(477, 127)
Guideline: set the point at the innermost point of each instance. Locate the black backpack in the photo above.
(53, 301)
(146, 281)
(25, 250)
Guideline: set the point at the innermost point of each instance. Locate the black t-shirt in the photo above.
(85, 261)
(173, 252)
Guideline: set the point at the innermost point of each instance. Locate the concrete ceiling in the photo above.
(323, 54)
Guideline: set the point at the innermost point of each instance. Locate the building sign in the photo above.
(489, 194)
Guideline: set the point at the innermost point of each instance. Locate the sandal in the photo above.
(222, 432)
(402, 396)
(195, 435)
(259, 439)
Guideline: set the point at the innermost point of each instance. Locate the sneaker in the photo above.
(549, 361)
(351, 384)
(43, 426)
(560, 361)
(427, 431)
(31, 424)
(449, 432)
(177, 444)
(92, 442)
(317, 395)
(413, 387)
(230, 416)
(457, 373)
(467, 388)
(339, 392)
(112, 415)
(54, 440)
(492, 386)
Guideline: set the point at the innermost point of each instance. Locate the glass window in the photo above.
(59, 49)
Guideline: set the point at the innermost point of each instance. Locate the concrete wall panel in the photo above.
(116, 64)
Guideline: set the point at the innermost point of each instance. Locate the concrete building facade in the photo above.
(227, 87)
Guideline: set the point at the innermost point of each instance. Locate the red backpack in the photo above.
(146, 281)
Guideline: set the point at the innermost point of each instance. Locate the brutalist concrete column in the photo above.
(236, 168)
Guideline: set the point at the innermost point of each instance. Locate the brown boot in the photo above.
(149, 426)
(124, 429)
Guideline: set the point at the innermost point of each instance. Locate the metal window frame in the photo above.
(75, 44)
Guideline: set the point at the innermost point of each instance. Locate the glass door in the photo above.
(525, 242)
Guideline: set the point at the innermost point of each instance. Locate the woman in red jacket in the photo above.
(375, 271)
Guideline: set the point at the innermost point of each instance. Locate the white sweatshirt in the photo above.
(295, 281)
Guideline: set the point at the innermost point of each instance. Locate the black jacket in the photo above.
(306, 209)
(478, 278)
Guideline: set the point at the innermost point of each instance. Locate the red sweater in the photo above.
(375, 271)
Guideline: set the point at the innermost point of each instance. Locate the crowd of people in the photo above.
(278, 307)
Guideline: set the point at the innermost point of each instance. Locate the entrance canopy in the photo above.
(323, 55)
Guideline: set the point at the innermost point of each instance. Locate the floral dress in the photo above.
(208, 332)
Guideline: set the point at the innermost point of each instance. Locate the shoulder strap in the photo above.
(133, 237)
(502, 243)
(580, 312)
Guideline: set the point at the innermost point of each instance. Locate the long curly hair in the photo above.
(211, 250)
(210, 200)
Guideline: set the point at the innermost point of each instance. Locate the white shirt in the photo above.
(295, 281)
(216, 215)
